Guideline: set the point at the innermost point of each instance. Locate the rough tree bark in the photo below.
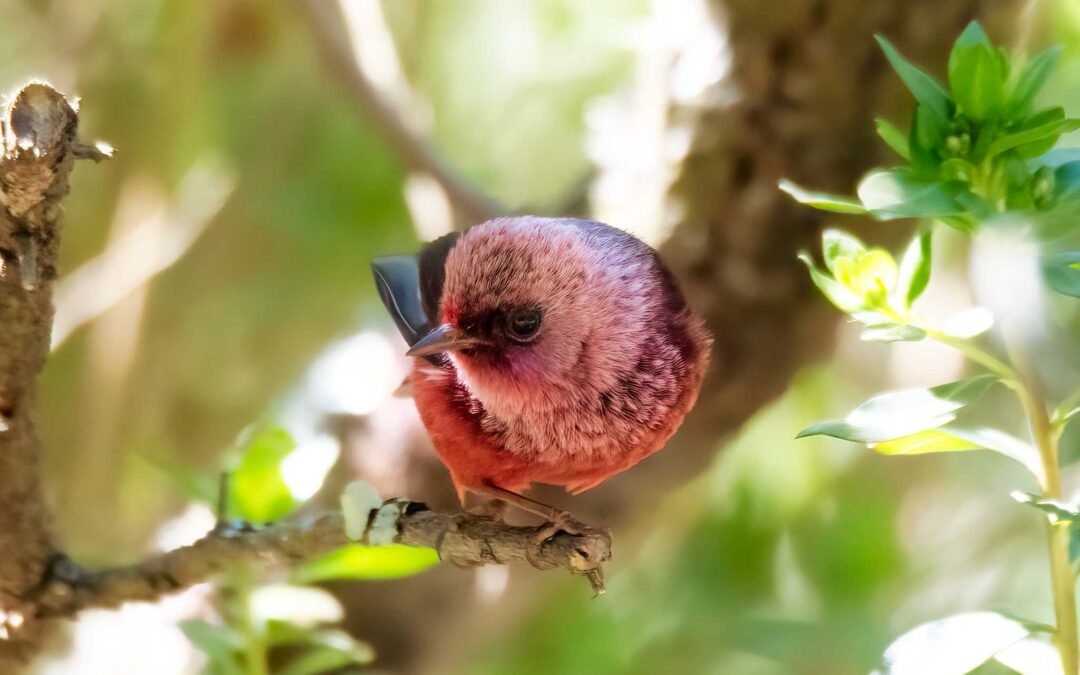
(38, 135)
(806, 83)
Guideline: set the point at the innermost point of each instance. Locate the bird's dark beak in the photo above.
(445, 338)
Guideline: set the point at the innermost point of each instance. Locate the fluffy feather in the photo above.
(616, 364)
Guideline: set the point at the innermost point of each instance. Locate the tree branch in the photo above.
(463, 540)
(326, 21)
(37, 131)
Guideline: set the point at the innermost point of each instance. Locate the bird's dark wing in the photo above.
(433, 271)
(397, 278)
(410, 286)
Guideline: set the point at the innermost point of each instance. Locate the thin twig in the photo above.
(224, 484)
(326, 21)
(461, 539)
(97, 151)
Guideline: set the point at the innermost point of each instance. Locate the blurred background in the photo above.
(215, 280)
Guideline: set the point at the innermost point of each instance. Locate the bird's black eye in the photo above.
(523, 324)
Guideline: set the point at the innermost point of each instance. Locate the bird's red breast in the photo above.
(570, 353)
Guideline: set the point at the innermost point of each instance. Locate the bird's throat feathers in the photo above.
(603, 364)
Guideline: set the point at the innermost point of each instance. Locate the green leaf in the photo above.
(1066, 195)
(1069, 414)
(259, 493)
(896, 193)
(320, 660)
(367, 562)
(950, 439)
(327, 649)
(1056, 512)
(1043, 118)
(821, 200)
(1067, 409)
(285, 633)
(972, 36)
(902, 413)
(220, 644)
(316, 661)
(280, 632)
(957, 169)
(1055, 509)
(955, 645)
(926, 139)
(1035, 74)
(924, 442)
(925, 88)
(834, 291)
(893, 332)
(894, 138)
(977, 75)
(839, 244)
(1045, 128)
(1062, 272)
(914, 272)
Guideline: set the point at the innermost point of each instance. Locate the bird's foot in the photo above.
(591, 550)
(561, 521)
(562, 540)
(452, 527)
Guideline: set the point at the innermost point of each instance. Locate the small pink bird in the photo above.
(551, 350)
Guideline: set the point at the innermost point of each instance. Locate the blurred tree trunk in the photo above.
(805, 84)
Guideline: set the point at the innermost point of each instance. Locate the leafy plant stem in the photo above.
(968, 349)
(241, 583)
(256, 652)
(1061, 413)
(1045, 437)
(1062, 580)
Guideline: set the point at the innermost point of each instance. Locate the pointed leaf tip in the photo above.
(896, 414)
(923, 87)
(821, 200)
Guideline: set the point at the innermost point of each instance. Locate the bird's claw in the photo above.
(561, 521)
(452, 527)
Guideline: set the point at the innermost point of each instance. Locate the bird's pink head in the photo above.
(537, 307)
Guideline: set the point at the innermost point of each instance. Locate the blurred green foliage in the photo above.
(367, 562)
(978, 158)
(259, 620)
(781, 560)
(258, 491)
